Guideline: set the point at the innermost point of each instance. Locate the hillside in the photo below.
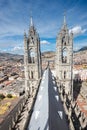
(10, 57)
(15, 57)
(49, 55)
(83, 49)
(79, 57)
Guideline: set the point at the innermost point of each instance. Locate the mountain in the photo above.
(10, 57)
(48, 54)
(79, 57)
(83, 48)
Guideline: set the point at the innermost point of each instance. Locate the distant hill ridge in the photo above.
(80, 54)
(9, 54)
(10, 57)
(83, 48)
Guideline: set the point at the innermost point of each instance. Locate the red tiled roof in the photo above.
(82, 104)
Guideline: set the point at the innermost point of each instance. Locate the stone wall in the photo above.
(12, 117)
(76, 119)
(25, 104)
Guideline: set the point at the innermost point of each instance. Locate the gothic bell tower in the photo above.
(32, 58)
(64, 57)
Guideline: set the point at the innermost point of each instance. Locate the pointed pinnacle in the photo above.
(64, 18)
(24, 33)
(31, 21)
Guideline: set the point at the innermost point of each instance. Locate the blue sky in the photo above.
(48, 20)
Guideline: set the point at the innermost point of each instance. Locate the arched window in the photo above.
(29, 74)
(32, 40)
(64, 74)
(64, 41)
(32, 76)
(64, 55)
(32, 88)
(31, 56)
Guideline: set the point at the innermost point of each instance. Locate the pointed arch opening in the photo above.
(31, 56)
(64, 55)
(64, 74)
(32, 75)
(64, 41)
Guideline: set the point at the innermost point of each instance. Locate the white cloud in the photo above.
(77, 30)
(17, 48)
(44, 42)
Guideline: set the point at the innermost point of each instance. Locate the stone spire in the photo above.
(64, 19)
(24, 34)
(64, 27)
(31, 26)
(31, 21)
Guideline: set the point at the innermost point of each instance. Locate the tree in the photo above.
(2, 96)
(9, 95)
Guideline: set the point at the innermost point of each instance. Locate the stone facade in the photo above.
(64, 56)
(32, 58)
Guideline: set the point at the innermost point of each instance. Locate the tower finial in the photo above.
(65, 18)
(31, 19)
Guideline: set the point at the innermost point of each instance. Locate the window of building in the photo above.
(29, 74)
(31, 56)
(32, 40)
(64, 41)
(64, 55)
(64, 74)
(32, 76)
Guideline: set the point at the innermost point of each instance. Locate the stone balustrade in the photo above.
(76, 119)
(12, 117)
(11, 120)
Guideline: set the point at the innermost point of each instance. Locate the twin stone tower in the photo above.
(63, 58)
